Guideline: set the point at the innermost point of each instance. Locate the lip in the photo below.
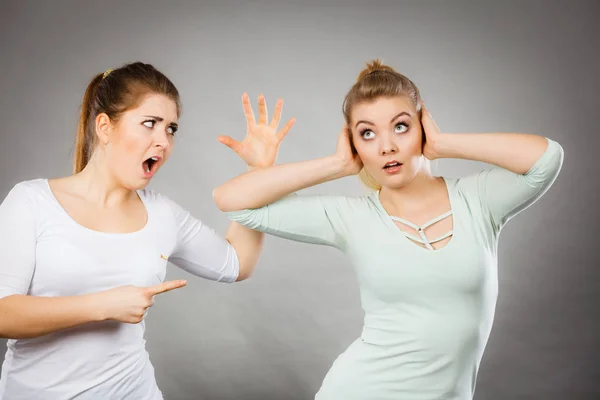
(392, 170)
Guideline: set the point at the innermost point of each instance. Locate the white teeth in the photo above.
(154, 158)
(147, 168)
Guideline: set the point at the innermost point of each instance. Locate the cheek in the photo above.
(413, 144)
(127, 149)
(133, 144)
(367, 151)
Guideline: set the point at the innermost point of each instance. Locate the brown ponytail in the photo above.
(114, 92)
(85, 141)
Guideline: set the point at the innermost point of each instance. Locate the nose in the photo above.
(162, 140)
(388, 146)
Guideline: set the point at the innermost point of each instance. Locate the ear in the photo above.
(103, 128)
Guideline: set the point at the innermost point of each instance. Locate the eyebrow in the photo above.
(392, 120)
(159, 119)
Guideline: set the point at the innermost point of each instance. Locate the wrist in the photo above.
(338, 167)
(440, 147)
(259, 166)
(95, 307)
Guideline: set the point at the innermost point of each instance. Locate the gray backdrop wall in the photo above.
(529, 66)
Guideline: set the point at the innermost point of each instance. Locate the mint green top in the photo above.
(428, 313)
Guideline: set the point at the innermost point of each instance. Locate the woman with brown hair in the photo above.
(424, 247)
(84, 255)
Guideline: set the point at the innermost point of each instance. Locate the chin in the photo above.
(394, 181)
(391, 184)
(135, 184)
(141, 184)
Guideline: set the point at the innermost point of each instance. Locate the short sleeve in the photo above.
(18, 240)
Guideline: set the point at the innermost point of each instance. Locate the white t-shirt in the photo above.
(46, 253)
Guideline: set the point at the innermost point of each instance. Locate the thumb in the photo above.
(165, 287)
(231, 143)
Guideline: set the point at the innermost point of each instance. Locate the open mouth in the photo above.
(150, 165)
(392, 164)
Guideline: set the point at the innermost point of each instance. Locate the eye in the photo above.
(367, 134)
(401, 127)
(149, 123)
(171, 130)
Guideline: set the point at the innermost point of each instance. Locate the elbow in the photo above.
(245, 269)
(217, 196)
(243, 275)
(221, 199)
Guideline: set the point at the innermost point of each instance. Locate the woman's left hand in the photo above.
(432, 134)
(260, 146)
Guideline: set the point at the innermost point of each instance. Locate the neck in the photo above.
(412, 195)
(99, 186)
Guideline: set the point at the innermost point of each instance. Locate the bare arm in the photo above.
(23, 316)
(266, 185)
(261, 187)
(515, 152)
(248, 245)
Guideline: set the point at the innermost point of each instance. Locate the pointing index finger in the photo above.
(166, 287)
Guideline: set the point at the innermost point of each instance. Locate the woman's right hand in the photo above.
(350, 161)
(129, 303)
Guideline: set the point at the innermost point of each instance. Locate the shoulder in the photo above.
(466, 191)
(342, 203)
(466, 186)
(355, 208)
(163, 206)
(28, 200)
(155, 198)
(30, 191)
(36, 185)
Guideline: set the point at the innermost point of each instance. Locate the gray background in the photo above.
(528, 66)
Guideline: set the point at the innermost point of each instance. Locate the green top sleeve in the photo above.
(317, 219)
(504, 194)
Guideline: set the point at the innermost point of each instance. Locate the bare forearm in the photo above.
(248, 245)
(24, 317)
(263, 186)
(516, 152)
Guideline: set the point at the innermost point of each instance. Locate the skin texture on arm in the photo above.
(25, 316)
(515, 152)
(266, 185)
